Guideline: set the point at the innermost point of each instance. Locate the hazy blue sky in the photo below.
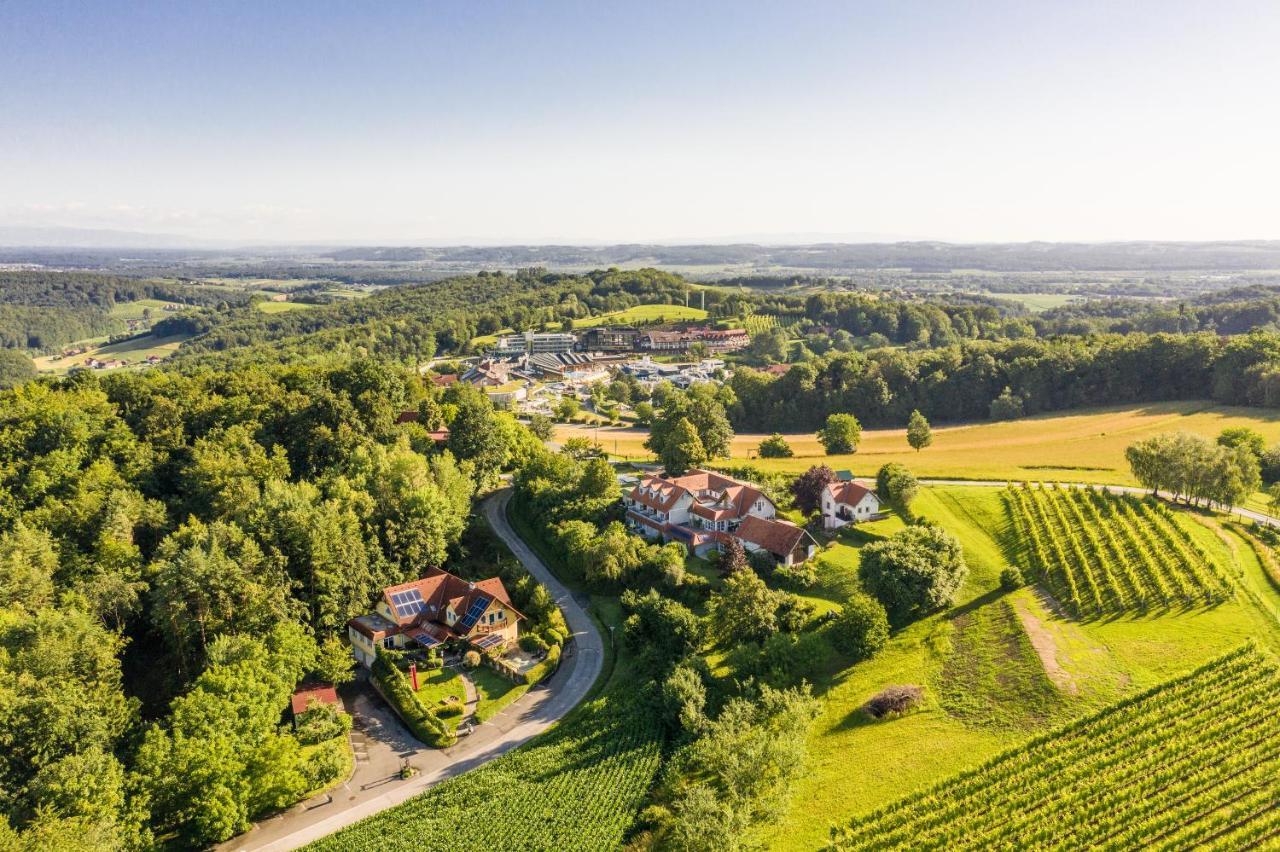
(541, 121)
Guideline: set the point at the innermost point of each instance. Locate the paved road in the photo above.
(1115, 489)
(381, 741)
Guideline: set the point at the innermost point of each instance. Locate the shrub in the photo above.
(785, 660)
(793, 612)
(895, 700)
(325, 765)
(471, 659)
(543, 668)
(796, 576)
(448, 707)
(532, 643)
(1011, 578)
(917, 571)
(775, 447)
(320, 722)
(862, 627)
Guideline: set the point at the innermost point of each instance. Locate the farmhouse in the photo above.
(848, 502)
(436, 609)
(702, 509)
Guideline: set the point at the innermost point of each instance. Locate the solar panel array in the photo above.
(489, 641)
(478, 606)
(408, 603)
(424, 638)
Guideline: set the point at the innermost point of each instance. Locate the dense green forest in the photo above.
(167, 536)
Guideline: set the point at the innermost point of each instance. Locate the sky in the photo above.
(587, 122)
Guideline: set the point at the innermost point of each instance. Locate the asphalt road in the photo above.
(381, 742)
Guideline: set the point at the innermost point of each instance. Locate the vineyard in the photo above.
(1192, 763)
(577, 788)
(1109, 554)
(760, 323)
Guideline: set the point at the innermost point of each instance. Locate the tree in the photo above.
(897, 487)
(15, 368)
(1243, 436)
(334, 663)
(541, 426)
(808, 487)
(566, 408)
(744, 609)
(862, 628)
(917, 571)
(644, 413)
(659, 631)
(1007, 406)
(476, 434)
(699, 351)
(841, 434)
(683, 449)
(578, 448)
(28, 562)
(919, 433)
(775, 447)
(733, 557)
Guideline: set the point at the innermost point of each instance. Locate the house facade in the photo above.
(433, 610)
(787, 543)
(698, 509)
(848, 503)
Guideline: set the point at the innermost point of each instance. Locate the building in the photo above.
(715, 339)
(532, 343)
(786, 542)
(697, 509)
(309, 695)
(605, 338)
(488, 374)
(848, 503)
(436, 609)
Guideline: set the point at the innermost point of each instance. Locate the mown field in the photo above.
(135, 349)
(1083, 446)
(999, 668)
(644, 314)
(1194, 762)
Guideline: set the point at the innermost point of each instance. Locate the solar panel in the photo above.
(408, 603)
(489, 641)
(478, 606)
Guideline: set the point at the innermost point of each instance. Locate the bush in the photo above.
(543, 668)
(326, 764)
(471, 659)
(775, 447)
(532, 643)
(1011, 578)
(400, 695)
(793, 613)
(895, 700)
(320, 722)
(797, 576)
(785, 660)
(449, 707)
(917, 571)
(862, 628)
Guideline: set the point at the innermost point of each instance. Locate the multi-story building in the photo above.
(605, 338)
(532, 343)
(702, 509)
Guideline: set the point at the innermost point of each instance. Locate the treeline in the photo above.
(41, 310)
(961, 382)
(177, 550)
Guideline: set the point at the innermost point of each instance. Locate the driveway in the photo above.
(381, 742)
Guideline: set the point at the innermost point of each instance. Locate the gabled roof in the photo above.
(850, 493)
(715, 496)
(777, 537)
(420, 601)
(322, 693)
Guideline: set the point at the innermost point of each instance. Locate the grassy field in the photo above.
(283, 307)
(1082, 446)
(997, 669)
(644, 314)
(136, 350)
(136, 309)
(1038, 301)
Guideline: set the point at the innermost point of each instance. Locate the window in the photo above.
(389, 642)
(502, 614)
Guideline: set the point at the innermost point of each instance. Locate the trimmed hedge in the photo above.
(543, 668)
(422, 723)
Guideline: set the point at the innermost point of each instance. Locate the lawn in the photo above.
(436, 686)
(1038, 302)
(997, 669)
(644, 314)
(136, 309)
(1082, 446)
(495, 692)
(269, 307)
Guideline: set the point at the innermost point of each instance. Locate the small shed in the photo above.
(303, 696)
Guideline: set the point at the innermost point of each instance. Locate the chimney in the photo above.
(471, 587)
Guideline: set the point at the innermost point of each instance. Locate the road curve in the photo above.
(1114, 489)
(527, 717)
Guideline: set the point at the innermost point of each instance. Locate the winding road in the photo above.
(381, 742)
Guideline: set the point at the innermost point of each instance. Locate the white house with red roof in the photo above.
(436, 609)
(783, 540)
(697, 509)
(848, 503)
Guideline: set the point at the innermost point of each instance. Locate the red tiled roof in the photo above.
(439, 589)
(445, 380)
(849, 493)
(323, 693)
(777, 537)
(735, 498)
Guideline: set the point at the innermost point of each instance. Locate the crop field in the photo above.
(1082, 446)
(644, 314)
(1193, 762)
(1107, 554)
(576, 788)
(283, 307)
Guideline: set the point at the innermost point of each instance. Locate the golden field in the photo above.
(1079, 446)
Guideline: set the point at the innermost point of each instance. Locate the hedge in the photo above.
(400, 695)
(543, 668)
